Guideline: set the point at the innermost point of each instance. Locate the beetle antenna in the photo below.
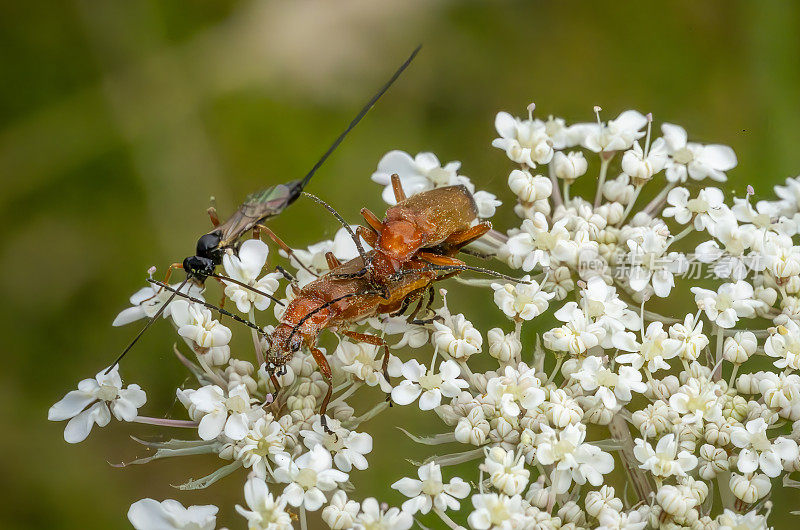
(160, 311)
(481, 270)
(359, 116)
(344, 224)
(327, 304)
(245, 286)
(225, 312)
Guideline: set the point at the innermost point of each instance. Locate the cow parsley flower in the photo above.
(728, 304)
(147, 301)
(246, 267)
(340, 512)
(420, 173)
(457, 336)
(429, 384)
(374, 517)
(98, 394)
(506, 471)
(573, 460)
(430, 491)
(308, 478)
(265, 512)
(149, 514)
(497, 511)
(524, 141)
(757, 451)
(664, 460)
(689, 159)
(348, 447)
(265, 440)
(607, 384)
(525, 301)
(222, 413)
(196, 323)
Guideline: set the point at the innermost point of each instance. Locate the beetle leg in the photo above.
(375, 341)
(397, 187)
(325, 368)
(403, 306)
(259, 228)
(367, 235)
(275, 382)
(465, 237)
(438, 259)
(372, 220)
(332, 260)
(212, 213)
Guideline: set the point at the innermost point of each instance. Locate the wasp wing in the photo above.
(257, 207)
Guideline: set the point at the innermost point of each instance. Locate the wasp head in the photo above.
(198, 267)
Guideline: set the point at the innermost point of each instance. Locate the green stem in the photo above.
(601, 179)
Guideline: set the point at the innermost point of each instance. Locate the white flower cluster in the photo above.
(679, 398)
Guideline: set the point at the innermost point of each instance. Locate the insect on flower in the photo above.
(251, 215)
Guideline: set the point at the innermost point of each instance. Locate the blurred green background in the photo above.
(121, 118)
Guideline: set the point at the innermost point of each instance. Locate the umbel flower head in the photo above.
(655, 328)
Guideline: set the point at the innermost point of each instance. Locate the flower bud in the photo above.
(674, 502)
(503, 347)
(570, 166)
(529, 188)
(473, 428)
(749, 490)
(747, 384)
(740, 347)
(572, 513)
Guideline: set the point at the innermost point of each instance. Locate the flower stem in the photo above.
(557, 201)
(164, 422)
(349, 392)
(717, 374)
(256, 340)
(601, 179)
(631, 204)
(446, 519)
(619, 431)
(303, 523)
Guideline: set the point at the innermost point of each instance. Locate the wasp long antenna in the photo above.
(339, 218)
(243, 285)
(359, 116)
(327, 304)
(175, 292)
(490, 272)
(225, 312)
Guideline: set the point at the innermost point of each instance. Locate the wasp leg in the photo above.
(397, 188)
(212, 213)
(332, 260)
(372, 220)
(465, 237)
(286, 274)
(286, 248)
(375, 341)
(222, 302)
(325, 368)
(169, 271)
